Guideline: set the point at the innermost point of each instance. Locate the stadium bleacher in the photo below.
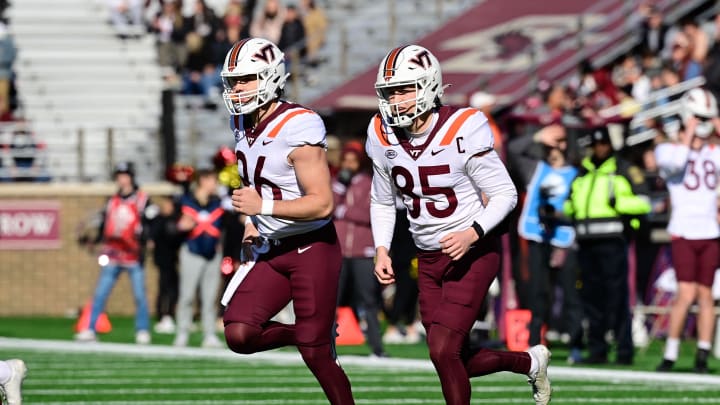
(74, 74)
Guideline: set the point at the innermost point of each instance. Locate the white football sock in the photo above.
(701, 344)
(533, 365)
(672, 349)
(5, 372)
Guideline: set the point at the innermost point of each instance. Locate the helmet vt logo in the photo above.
(422, 59)
(266, 54)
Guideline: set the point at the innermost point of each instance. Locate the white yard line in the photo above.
(257, 388)
(625, 400)
(571, 373)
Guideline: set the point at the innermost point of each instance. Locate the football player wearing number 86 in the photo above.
(441, 160)
(287, 203)
(690, 167)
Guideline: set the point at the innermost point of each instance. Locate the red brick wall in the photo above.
(56, 281)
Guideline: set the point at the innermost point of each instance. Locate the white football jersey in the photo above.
(692, 178)
(262, 155)
(432, 178)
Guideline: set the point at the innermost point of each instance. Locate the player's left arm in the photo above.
(489, 175)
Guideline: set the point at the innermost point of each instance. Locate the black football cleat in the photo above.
(665, 366)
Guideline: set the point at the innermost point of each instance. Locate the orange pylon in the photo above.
(101, 326)
(349, 332)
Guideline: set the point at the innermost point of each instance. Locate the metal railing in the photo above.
(88, 153)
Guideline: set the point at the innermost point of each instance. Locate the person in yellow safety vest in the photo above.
(605, 199)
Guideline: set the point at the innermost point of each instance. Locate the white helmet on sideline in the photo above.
(405, 66)
(701, 104)
(253, 56)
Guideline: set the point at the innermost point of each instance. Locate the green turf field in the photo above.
(64, 372)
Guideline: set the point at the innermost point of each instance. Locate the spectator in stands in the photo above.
(127, 17)
(358, 284)
(711, 69)
(200, 256)
(223, 40)
(292, 34)
(652, 31)
(8, 53)
(203, 21)
(123, 235)
(23, 157)
(594, 88)
(682, 58)
(292, 41)
(169, 27)
(627, 77)
(166, 240)
(316, 24)
(200, 74)
(234, 15)
(712, 29)
(12, 374)
(699, 41)
(268, 24)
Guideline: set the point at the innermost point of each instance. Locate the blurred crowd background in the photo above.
(148, 92)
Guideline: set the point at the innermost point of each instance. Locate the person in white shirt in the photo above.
(691, 169)
(457, 191)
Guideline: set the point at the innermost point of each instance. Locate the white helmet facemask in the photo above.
(701, 104)
(248, 58)
(412, 67)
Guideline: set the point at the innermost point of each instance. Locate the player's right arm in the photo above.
(671, 158)
(382, 216)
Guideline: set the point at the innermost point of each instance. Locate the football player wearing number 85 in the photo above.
(287, 203)
(457, 191)
(690, 167)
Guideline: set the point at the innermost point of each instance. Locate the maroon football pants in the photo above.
(451, 294)
(305, 269)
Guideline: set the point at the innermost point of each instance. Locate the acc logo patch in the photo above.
(390, 154)
(238, 134)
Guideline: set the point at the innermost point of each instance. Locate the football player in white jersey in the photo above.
(287, 203)
(442, 162)
(690, 167)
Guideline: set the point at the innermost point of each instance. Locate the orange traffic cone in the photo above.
(517, 332)
(349, 332)
(101, 326)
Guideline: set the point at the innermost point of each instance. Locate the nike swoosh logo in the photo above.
(302, 250)
(265, 142)
(435, 152)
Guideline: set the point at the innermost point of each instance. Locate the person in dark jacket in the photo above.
(166, 240)
(351, 189)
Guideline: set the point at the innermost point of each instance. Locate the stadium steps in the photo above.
(74, 74)
(366, 25)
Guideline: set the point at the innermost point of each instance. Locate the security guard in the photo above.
(604, 204)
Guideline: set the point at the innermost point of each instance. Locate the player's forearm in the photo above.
(306, 208)
(382, 218)
(498, 207)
